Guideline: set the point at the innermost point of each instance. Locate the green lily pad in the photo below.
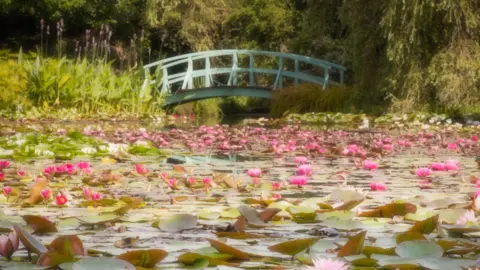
(419, 249)
(178, 223)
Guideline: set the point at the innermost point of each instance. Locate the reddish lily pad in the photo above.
(293, 247)
(224, 248)
(30, 242)
(39, 224)
(144, 258)
(353, 246)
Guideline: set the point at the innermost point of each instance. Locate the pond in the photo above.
(256, 195)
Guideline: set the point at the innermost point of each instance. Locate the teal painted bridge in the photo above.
(225, 73)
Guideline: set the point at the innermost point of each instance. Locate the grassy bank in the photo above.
(87, 86)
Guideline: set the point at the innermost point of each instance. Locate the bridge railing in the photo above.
(164, 77)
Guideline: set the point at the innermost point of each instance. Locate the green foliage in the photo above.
(88, 86)
(12, 85)
(260, 24)
(192, 23)
(305, 98)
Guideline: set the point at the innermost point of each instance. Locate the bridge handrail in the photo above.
(215, 53)
(207, 72)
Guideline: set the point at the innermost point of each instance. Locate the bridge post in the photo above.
(235, 66)
(297, 69)
(188, 81)
(279, 79)
(165, 85)
(207, 72)
(326, 70)
(252, 67)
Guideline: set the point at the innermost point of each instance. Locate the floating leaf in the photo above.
(409, 236)
(349, 205)
(224, 248)
(35, 192)
(303, 212)
(40, 225)
(390, 210)
(293, 247)
(426, 226)
(419, 249)
(178, 223)
(144, 258)
(54, 258)
(369, 250)
(353, 246)
(130, 205)
(98, 220)
(230, 213)
(240, 224)
(126, 242)
(208, 215)
(69, 245)
(250, 214)
(267, 214)
(30, 242)
(214, 258)
(101, 263)
(226, 178)
(240, 235)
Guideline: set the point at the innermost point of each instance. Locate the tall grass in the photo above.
(308, 97)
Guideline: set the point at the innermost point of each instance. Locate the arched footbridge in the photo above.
(224, 73)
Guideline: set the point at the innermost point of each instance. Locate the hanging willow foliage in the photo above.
(420, 53)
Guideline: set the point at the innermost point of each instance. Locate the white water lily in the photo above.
(88, 150)
(115, 148)
(5, 152)
(142, 143)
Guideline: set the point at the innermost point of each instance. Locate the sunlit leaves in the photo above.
(144, 258)
(40, 225)
(353, 246)
(293, 247)
(178, 223)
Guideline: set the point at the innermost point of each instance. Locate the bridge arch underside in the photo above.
(186, 96)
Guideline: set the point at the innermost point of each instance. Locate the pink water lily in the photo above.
(2, 176)
(299, 180)
(141, 169)
(452, 165)
(328, 264)
(191, 180)
(87, 193)
(4, 164)
(276, 185)
(21, 172)
(7, 191)
(172, 182)
(370, 165)
(378, 186)
(437, 166)
(207, 181)
(301, 160)
(304, 169)
(423, 172)
(96, 196)
(8, 244)
(49, 171)
(61, 199)
(474, 138)
(256, 181)
(256, 172)
(46, 193)
(452, 146)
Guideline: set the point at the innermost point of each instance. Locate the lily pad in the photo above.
(30, 242)
(39, 224)
(101, 263)
(144, 258)
(293, 247)
(99, 219)
(178, 223)
(419, 249)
